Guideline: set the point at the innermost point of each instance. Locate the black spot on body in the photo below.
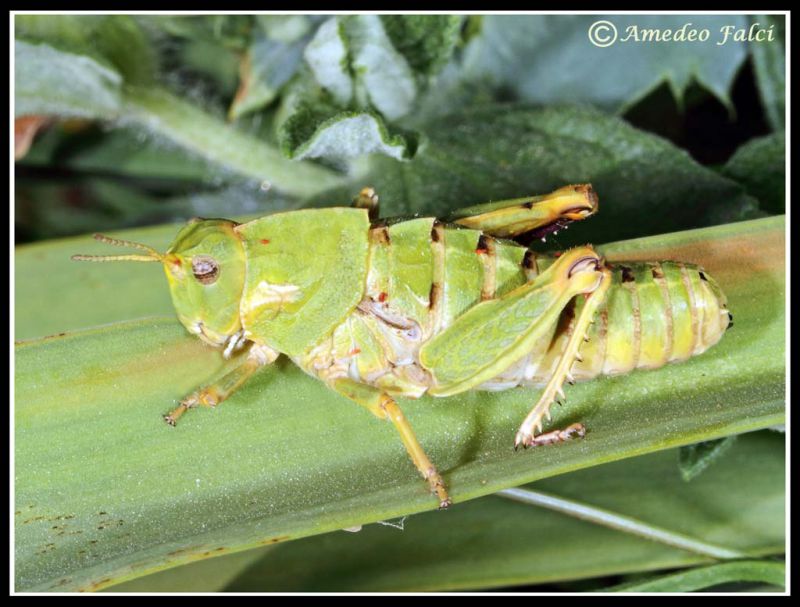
(529, 260)
(435, 293)
(703, 276)
(627, 274)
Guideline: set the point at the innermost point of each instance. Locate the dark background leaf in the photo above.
(770, 68)
(760, 166)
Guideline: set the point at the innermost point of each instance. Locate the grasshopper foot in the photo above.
(527, 439)
(437, 486)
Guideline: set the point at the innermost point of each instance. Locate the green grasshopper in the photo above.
(404, 307)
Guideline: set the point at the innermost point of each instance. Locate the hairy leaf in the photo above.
(273, 57)
(550, 58)
(51, 82)
(116, 40)
(325, 132)
(426, 41)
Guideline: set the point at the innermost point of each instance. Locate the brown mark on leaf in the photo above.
(274, 540)
(96, 585)
(183, 550)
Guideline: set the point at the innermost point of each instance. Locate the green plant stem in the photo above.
(618, 522)
(167, 115)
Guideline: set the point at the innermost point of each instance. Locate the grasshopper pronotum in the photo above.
(378, 309)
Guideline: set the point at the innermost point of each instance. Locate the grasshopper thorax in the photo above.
(205, 267)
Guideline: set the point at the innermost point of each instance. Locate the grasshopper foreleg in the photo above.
(214, 394)
(526, 436)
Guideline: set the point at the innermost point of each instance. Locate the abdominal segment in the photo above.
(654, 313)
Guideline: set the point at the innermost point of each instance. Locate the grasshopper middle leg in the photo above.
(384, 406)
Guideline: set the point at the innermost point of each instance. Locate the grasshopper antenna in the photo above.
(152, 255)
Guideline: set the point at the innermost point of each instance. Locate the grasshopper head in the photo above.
(205, 268)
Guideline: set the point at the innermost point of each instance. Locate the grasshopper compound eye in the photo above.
(205, 269)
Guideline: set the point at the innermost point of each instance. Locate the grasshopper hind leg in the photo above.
(527, 435)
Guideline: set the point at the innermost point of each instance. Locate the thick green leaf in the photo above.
(768, 572)
(550, 58)
(164, 114)
(760, 166)
(92, 441)
(208, 575)
(769, 61)
(52, 82)
(646, 185)
(491, 542)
